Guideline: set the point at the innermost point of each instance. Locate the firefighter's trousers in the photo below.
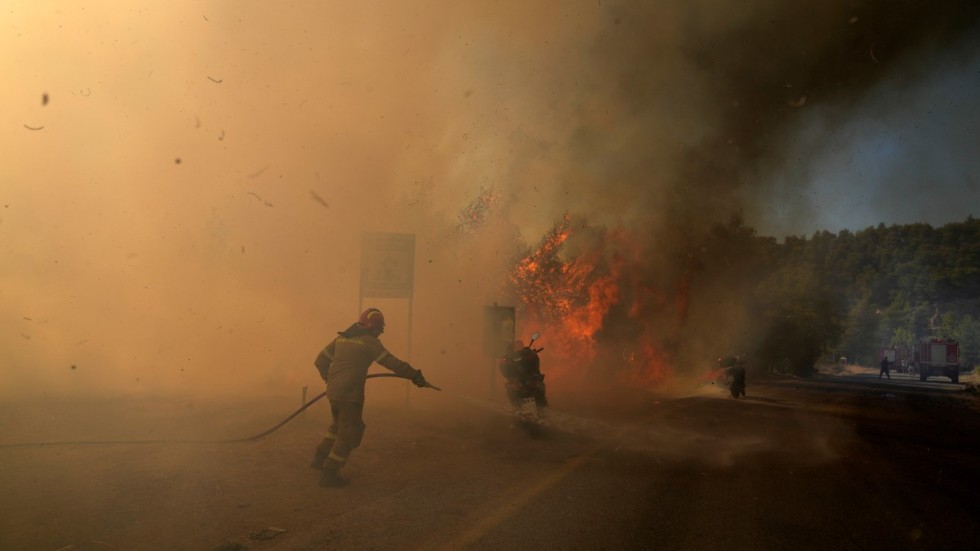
(345, 433)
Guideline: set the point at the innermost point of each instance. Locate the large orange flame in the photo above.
(573, 298)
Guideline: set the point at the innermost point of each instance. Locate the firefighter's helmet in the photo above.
(373, 319)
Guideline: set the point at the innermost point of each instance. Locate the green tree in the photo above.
(967, 333)
(904, 337)
(802, 317)
(860, 339)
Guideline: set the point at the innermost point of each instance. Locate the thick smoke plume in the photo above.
(183, 187)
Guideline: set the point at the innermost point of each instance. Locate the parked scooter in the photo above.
(525, 386)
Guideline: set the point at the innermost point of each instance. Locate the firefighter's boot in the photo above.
(330, 478)
(322, 452)
(318, 458)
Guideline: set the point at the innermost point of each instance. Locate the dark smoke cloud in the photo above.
(188, 212)
(711, 94)
(684, 114)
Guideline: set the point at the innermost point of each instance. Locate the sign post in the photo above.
(388, 271)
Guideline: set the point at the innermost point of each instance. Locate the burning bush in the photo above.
(614, 308)
(584, 287)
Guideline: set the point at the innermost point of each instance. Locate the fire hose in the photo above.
(310, 403)
(164, 441)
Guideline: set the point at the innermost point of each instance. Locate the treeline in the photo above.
(831, 295)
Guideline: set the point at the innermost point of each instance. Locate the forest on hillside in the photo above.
(828, 296)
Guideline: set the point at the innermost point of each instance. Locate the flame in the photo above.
(649, 369)
(576, 299)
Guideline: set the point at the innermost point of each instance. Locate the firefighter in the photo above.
(734, 367)
(343, 365)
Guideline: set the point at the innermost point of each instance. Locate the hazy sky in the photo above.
(905, 152)
(183, 185)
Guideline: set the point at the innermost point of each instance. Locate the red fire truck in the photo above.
(937, 357)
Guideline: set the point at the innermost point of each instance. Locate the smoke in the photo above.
(713, 97)
(183, 188)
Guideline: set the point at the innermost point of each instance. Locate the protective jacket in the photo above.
(344, 364)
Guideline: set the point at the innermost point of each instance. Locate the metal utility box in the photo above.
(498, 330)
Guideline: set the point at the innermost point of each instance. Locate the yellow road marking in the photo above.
(498, 516)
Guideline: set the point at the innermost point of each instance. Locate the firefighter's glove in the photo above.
(418, 380)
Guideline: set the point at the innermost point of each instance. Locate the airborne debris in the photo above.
(215, 80)
(256, 195)
(33, 127)
(44, 98)
(319, 199)
(478, 212)
(258, 173)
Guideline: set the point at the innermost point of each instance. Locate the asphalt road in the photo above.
(832, 463)
(827, 463)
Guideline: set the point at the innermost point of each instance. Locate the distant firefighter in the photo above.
(734, 367)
